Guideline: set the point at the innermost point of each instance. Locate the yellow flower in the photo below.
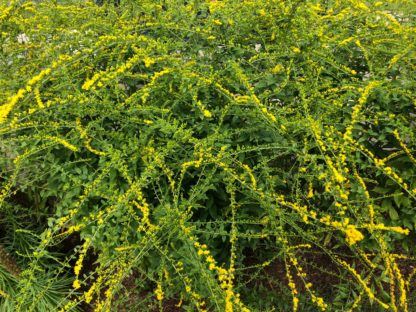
(278, 69)
(76, 284)
(6, 108)
(3, 294)
(310, 191)
(296, 49)
(295, 303)
(62, 142)
(159, 292)
(207, 113)
(353, 235)
(148, 62)
(345, 41)
(319, 302)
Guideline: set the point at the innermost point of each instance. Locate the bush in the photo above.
(208, 156)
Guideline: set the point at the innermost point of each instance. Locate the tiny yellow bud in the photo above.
(207, 113)
(296, 49)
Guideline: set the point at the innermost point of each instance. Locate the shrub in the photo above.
(216, 156)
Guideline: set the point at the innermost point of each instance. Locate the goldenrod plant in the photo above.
(207, 155)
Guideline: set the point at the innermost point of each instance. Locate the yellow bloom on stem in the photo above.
(296, 49)
(353, 235)
(159, 292)
(76, 284)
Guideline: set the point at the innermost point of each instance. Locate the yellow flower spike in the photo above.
(392, 19)
(62, 142)
(88, 295)
(5, 109)
(90, 82)
(363, 284)
(87, 140)
(38, 98)
(380, 163)
(78, 265)
(403, 146)
(357, 109)
(292, 287)
(397, 229)
(69, 305)
(402, 286)
(310, 190)
(319, 302)
(159, 292)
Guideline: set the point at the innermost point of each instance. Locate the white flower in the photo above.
(23, 38)
(201, 53)
(257, 47)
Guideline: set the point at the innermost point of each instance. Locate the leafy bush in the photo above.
(208, 155)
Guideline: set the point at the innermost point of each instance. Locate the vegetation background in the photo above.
(207, 155)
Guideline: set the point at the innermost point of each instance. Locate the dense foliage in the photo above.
(207, 155)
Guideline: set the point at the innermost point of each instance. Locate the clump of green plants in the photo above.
(207, 155)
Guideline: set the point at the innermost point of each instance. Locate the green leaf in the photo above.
(393, 214)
